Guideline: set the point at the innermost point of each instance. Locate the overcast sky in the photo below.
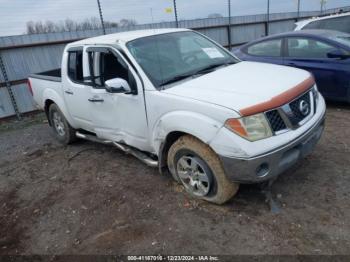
(15, 13)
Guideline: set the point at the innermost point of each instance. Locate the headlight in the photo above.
(253, 127)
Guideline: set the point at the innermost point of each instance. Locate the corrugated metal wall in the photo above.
(26, 54)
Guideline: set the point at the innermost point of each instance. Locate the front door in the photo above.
(118, 117)
(311, 55)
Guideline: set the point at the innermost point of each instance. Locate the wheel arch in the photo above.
(48, 103)
(169, 140)
(51, 97)
(177, 124)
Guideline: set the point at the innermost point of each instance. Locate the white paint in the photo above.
(198, 107)
(301, 24)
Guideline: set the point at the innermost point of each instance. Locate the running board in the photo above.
(125, 148)
(138, 154)
(92, 138)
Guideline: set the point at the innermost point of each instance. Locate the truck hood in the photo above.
(241, 85)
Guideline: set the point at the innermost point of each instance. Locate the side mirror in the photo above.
(337, 54)
(117, 85)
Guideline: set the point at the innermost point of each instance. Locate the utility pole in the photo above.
(229, 25)
(298, 10)
(175, 12)
(101, 17)
(323, 2)
(268, 17)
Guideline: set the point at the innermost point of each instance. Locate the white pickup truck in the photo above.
(179, 101)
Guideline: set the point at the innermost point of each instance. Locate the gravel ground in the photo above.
(89, 198)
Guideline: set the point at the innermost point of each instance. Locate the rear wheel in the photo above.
(198, 168)
(61, 128)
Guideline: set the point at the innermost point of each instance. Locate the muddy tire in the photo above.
(61, 128)
(199, 169)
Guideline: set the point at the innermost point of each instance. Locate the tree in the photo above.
(68, 25)
(127, 22)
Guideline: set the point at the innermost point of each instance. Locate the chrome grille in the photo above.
(295, 107)
(293, 114)
(275, 120)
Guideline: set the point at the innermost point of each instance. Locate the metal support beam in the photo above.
(175, 12)
(323, 3)
(298, 16)
(8, 87)
(229, 25)
(268, 18)
(101, 17)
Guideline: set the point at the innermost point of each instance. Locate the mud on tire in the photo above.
(189, 153)
(61, 128)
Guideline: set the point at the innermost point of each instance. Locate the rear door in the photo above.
(76, 91)
(116, 116)
(330, 73)
(268, 51)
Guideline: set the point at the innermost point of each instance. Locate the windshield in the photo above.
(168, 58)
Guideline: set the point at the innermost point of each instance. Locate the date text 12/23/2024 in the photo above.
(173, 258)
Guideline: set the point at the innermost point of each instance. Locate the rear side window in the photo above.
(268, 48)
(337, 23)
(75, 66)
(313, 25)
(308, 48)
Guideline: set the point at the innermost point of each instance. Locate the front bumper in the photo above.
(272, 164)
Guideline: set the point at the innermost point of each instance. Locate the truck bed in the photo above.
(43, 83)
(51, 75)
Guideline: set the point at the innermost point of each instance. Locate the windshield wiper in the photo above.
(176, 78)
(202, 71)
(211, 68)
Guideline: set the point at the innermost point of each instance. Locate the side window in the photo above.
(75, 66)
(106, 66)
(313, 25)
(308, 48)
(337, 23)
(267, 48)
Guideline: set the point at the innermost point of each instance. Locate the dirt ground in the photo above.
(89, 198)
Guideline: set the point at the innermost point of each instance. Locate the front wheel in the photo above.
(198, 168)
(62, 130)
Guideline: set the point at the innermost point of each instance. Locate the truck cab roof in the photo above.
(124, 36)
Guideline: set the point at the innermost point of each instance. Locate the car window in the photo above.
(337, 23)
(75, 66)
(167, 56)
(267, 48)
(313, 25)
(308, 48)
(106, 66)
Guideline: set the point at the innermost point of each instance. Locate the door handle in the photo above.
(95, 100)
(68, 92)
(291, 64)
